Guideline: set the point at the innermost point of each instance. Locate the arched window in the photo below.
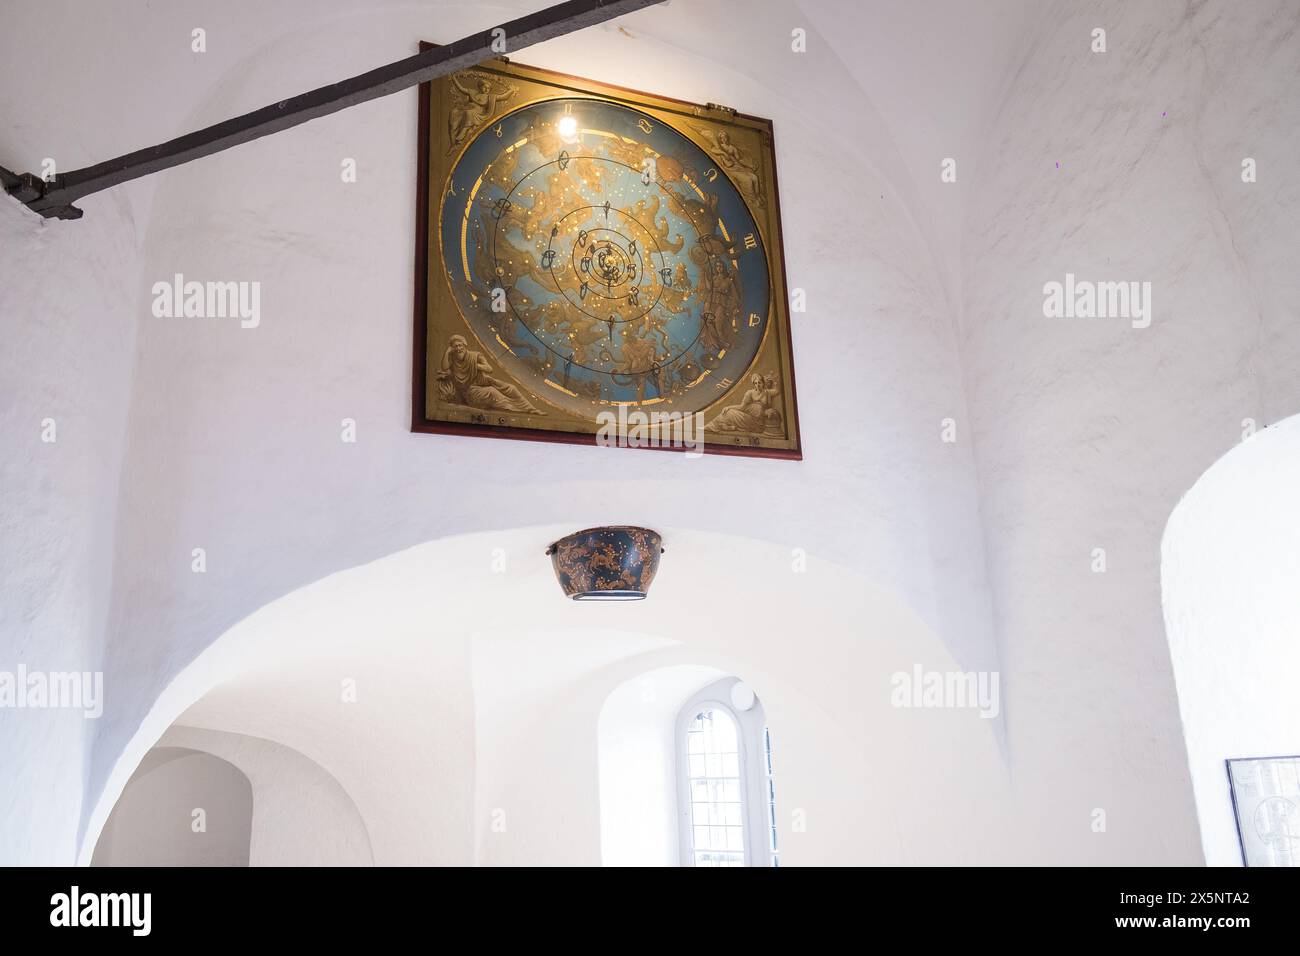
(717, 821)
(726, 794)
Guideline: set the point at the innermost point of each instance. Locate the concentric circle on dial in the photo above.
(591, 277)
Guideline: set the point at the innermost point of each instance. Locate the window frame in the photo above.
(754, 811)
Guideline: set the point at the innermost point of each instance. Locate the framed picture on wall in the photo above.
(595, 263)
(1266, 801)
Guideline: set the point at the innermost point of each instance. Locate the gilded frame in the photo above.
(436, 315)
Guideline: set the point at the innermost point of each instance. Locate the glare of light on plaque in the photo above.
(568, 128)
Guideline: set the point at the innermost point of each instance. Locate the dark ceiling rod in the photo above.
(53, 199)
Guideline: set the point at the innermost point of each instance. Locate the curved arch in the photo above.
(408, 625)
(302, 816)
(181, 807)
(1230, 559)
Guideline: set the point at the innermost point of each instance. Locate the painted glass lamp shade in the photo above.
(607, 564)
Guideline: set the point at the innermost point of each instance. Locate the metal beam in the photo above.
(54, 199)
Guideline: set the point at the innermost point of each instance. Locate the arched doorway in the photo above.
(1230, 562)
(458, 707)
(181, 807)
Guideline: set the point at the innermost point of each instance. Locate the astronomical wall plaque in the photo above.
(588, 257)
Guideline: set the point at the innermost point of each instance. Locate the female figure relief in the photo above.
(756, 412)
(464, 378)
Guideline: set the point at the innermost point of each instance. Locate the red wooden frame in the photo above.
(419, 367)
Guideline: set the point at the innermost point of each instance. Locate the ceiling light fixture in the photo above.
(616, 563)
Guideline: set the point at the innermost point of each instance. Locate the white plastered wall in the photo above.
(234, 437)
(206, 435)
(1121, 166)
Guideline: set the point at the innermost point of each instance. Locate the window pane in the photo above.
(735, 839)
(713, 770)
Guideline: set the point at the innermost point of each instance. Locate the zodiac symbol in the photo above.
(606, 207)
(631, 248)
(645, 126)
(582, 292)
(666, 275)
(585, 264)
(498, 130)
(711, 175)
(610, 322)
(548, 258)
(500, 208)
(564, 160)
(634, 296)
(582, 238)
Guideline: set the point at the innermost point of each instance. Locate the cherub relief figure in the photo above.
(474, 105)
(738, 164)
(464, 378)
